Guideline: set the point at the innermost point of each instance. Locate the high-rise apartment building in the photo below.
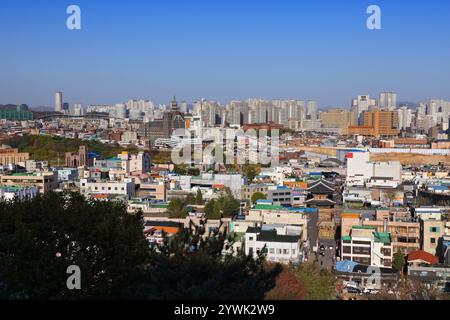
(360, 105)
(77, 110)
(388, 101)
(404, 118)
(312, 110)
(58, 102)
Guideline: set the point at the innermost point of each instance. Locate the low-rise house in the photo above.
(271, 214)
(247, 192)
(153, 190)
(421, 258)
(382, 182)
(366, 276)
(91, 187)
(276, 243)
(44, 181)
(432, 276)
(19, 193)
(280, 195)
(368, 247)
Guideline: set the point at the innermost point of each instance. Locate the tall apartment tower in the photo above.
(58, 102)
(78, 110)
(360, 105)
(388, 101)
(312, 110)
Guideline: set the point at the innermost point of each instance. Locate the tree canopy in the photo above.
(258, 196)
(399, 261)
(177, 209)
(42, 237)
(224, 207)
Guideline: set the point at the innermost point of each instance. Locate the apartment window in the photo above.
(433, 240)
(347, 249)
(362, 242)
(285, 251)
(293, 252)
(250, 238)
(360, 250)
(434, 229)
(278, 251)
(272, 251)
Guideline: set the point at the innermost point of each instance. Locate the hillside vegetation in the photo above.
(48, 148)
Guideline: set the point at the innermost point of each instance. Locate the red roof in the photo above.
(424, 256)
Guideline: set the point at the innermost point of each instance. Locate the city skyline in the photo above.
(318, 51)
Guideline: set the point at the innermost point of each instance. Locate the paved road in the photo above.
(327, 260)
(313, 232)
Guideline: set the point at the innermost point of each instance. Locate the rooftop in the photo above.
(272, 236)
(382, 237)
(423, 256)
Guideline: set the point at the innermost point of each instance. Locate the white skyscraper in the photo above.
(78, 110)
(58, 102)
(404, 118)
(121, 111)
(312, 110)
(361, 104)
(388, 101)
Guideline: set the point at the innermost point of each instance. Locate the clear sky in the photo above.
(223, 50)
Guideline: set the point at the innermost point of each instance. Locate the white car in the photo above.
(370, 291)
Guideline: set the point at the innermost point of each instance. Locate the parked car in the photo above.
(353, 290)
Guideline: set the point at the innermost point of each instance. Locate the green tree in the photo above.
(177, 209)
(192, 266)
(399, 262)
(199, 198)
(180, 169)
(193, 172)
(190, 199)
(224, 207)
(319, 284)
(251, 171)
(258, 196)
(212, 210)
(40, 238)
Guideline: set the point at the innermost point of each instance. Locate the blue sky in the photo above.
(222, 50)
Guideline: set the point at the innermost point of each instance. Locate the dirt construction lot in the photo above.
(404, 158)
(410, 158)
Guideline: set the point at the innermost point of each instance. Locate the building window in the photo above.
(293, 252)
(272, 251)
(278, 251)
(250, 238)
(433, 240)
